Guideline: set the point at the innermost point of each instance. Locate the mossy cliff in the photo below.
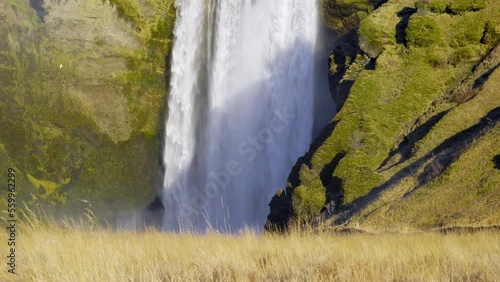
(82, 87)
(417, 134)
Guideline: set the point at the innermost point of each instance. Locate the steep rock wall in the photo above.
(82, 90)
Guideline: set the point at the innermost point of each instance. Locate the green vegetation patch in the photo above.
(345, 15)
(130, 10)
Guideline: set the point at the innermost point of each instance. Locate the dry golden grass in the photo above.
(84, 252)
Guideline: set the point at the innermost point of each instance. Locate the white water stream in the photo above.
(240, 110)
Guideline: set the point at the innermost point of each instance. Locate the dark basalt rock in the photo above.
(496, 161)
(281, 211)
(405, 15)
(154, 213)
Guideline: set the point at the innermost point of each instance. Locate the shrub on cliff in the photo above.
(373, 38)
(437, 6)
(491, 35)
(455, 6)
(423, 32)
(309, 198)
(461, 6)
(377, 31)
(462, 54)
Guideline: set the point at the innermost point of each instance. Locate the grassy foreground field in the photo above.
(83, 252)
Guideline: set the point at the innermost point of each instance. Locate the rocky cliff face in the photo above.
(417, 134)
(82, 88)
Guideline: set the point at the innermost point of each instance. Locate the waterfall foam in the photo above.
(240, 110)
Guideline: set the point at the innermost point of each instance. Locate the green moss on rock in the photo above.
(309, 198)
(345, 15)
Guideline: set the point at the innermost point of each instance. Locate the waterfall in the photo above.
(240, 110)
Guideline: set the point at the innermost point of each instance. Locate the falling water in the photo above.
(240, 110)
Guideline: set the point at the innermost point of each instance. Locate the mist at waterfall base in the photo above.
(241, 109)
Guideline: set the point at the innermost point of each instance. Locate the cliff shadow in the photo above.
(333, 186)
(406, 147)
(37, 5)
(293, 177)
(496, 161)
(484, 77)
(343, 55)
(401, 27)
(324, 105)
